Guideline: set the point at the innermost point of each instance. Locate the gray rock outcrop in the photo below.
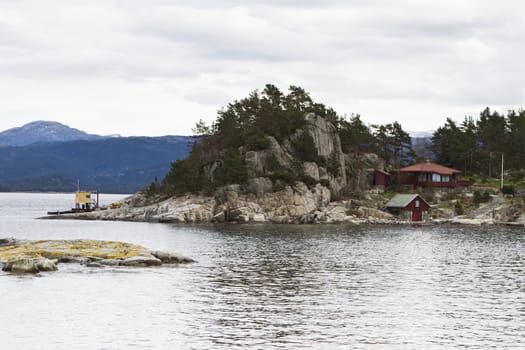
(28, 264)
(171, 258)
(186, 209)
(361, 170)
(294, 204)
(141, 261)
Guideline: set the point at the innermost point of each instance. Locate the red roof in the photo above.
(430, 168)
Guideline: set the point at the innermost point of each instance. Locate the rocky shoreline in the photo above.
(18, 256)
(294, 205)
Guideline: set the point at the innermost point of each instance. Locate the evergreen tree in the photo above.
(492, 139)
(233, 169)
(491, 131)
(448, 146)
(182, 178)
(355, 135)
(468, 145)
(393, 144)
(476, 146)
(382, 142)
(515, 149)
(401, 144)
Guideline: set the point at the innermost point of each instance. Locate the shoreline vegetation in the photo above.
(281, 157)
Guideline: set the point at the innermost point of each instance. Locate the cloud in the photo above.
(207, 96)
(125, 58)
(233, 34)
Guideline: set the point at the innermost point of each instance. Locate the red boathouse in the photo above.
(409, 207)
(431, 175)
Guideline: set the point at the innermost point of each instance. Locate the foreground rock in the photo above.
(37, 256)
(28, 264)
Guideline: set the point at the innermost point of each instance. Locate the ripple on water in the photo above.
(277, 287)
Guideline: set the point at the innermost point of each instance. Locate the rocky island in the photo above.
(283, 158)
(278, 187)
(18, 256)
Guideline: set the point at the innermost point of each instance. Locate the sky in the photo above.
(157, 67)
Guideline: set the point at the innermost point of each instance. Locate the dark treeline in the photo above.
(476, 145)
(473, 146)
(246, 124)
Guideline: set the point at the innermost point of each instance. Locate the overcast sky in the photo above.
(156, 67)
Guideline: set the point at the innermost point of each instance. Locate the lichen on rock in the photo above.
(44, 255)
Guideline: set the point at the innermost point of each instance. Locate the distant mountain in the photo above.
(421, 134)
(110, 165)
(43, 131)
(421, 142)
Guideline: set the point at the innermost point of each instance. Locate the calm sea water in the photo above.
(268, 287)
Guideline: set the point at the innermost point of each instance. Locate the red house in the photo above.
(409, 207)
(431, 175)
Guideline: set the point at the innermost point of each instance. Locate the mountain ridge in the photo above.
(50, 156)
(112, 165)
(43, 131)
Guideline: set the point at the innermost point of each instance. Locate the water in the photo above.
(269, 287)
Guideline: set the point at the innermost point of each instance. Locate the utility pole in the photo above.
(501, 171)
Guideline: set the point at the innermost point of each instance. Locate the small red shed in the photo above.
(381, 178)
(409, 207)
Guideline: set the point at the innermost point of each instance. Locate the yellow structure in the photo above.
(84, 201)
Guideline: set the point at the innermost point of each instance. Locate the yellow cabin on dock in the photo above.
(84, 200)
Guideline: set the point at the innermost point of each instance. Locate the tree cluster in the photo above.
(247, 123)
(476, 145)
(390, 142)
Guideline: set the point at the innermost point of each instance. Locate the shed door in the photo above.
(417, 216)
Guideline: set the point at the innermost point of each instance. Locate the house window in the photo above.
(422, 177)
(445, 178)
(417, 204)
(436, 178)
